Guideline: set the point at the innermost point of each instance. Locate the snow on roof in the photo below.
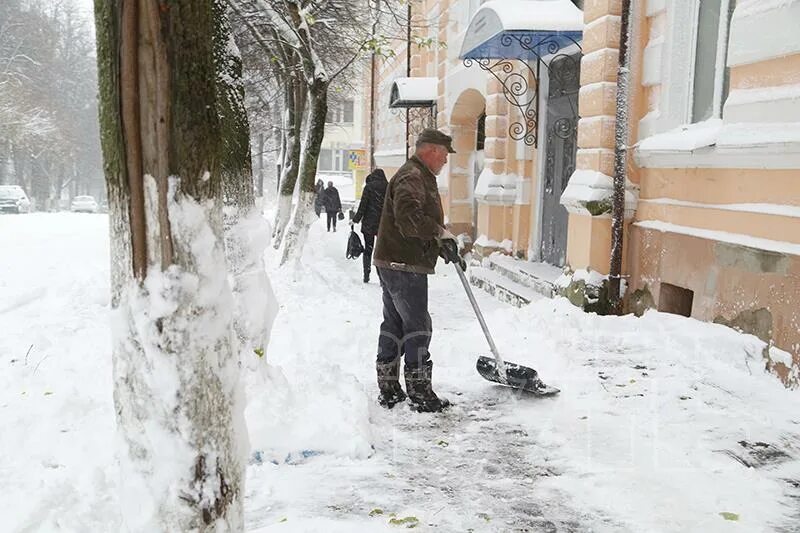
(550, 15)
(414, 92)
(518, 16)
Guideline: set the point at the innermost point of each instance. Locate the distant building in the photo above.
(343, 147)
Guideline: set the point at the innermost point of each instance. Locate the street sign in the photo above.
(356, 159)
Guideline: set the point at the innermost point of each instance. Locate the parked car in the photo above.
(83, 204)
(14, 200)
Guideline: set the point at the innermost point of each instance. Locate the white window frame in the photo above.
(678, 60)
(676, 77)
(339, 158)
(720, 67)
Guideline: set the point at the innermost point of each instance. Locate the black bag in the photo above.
(340, 215)
(354, 246)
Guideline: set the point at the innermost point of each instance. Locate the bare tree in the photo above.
(315, 47)
(48, 125)
(312, 42)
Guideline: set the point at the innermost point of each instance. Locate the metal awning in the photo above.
(508, 39)
(414, 92)
(526, 30)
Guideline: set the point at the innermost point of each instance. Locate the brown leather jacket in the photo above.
(411, 221)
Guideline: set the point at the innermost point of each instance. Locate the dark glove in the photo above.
(448, 250)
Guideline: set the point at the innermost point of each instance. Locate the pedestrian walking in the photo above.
(369, 214)
(332, 204)
(319, 189)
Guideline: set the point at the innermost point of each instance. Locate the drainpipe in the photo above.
(408, 73)
(373, 67)
(620, 160)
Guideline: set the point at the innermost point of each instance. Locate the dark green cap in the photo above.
(432, 136)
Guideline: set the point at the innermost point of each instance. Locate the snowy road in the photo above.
(664, 424)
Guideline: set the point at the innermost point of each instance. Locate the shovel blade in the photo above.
(519, 377)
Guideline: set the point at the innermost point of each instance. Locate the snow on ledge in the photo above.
(781, 247)
(496, 188)
(758, 134)
(781, 210)
(685, 138)
(485, 242)
(590, 192)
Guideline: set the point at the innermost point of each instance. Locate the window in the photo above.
(325, 160)
(340, 112)
(348, 111)
(339, 160)
(676, 300)
(332, 160)
(688, 65)
(711, 75)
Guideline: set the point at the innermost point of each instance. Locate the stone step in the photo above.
(501, 287)
(540, 277)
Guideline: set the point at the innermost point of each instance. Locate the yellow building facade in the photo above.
(713, 181)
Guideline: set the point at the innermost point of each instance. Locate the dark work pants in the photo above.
(331, 220)
(406, 327)
(369, 244)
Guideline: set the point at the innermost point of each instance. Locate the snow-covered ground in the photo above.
(664, 424)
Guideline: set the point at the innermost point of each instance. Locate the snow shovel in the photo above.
(497, 370)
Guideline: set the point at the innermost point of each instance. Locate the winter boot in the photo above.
(420, 392)
(391, 393)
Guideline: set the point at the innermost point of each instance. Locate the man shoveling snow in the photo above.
(410, 239)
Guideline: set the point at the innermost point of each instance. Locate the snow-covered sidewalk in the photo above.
(663, 423)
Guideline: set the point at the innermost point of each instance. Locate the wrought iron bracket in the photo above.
(521, 90)
(521, 85)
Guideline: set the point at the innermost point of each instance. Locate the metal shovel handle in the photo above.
(501, 366)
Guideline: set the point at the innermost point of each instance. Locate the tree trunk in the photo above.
(295, 110)
(260, 182)
(280, 142)
(246, 231)
(176, 391)
(59, 184)
(303, 216)
(5, 157)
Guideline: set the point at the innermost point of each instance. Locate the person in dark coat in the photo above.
(332, 204)
(369, 214)
(319, 188)
(411, 237)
